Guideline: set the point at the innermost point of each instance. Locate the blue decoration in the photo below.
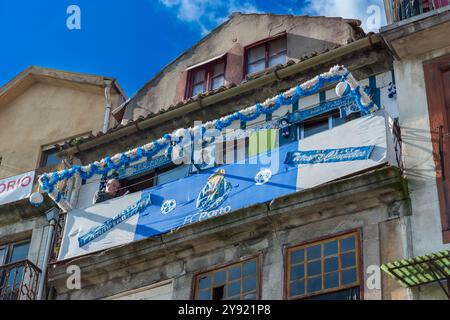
(392, 90)
(48, 181)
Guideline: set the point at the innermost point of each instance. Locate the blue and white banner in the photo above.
(330, 155)
(345, 103)
(346, 149)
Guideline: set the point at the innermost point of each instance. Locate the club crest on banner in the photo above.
(215, 192)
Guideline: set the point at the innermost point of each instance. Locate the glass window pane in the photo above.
(250, 268)
(314, 252)
(348, 260)
(297, 288)
(337, 121)
(250, 296)
(330, 248)
(331, 280)
(2, 256)
(218, 69)
(297, 256)
(347, 244)
(348, 276)
(315, 127)
(234, 273)
(277, 46)
(256, 67)
(330, 264)
(52, 159)
(219, 278)
(199, 76)
(234, 288)
(349, 294)
(297, 272)
(204, 282)
(197, 89)
(204, 295)
(314, 284)
(314, 268)
(277, 59)
(256, 53)
(217, 82)
(250, 283)
(172, 175)
(19, 252)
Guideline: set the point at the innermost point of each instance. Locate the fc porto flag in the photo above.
(349, 148)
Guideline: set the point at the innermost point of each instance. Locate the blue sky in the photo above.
(132, 40)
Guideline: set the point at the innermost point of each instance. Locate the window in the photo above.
(239, 281)
(49, 158)
(205, 78)
(324, 122)
(325, 267)
(265, 55)
(154, 177)
(12, 276)
(14, 252)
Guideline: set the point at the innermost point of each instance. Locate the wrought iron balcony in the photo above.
(19, 281)
(404, 9)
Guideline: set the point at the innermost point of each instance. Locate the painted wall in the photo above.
(45, 114)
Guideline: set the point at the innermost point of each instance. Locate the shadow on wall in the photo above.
(299, 47)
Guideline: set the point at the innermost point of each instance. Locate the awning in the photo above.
(421, 270)
(206, 61)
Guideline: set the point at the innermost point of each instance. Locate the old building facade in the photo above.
(314, 176)
(316, 234)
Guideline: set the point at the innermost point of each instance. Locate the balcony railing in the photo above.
(404, 9)
(19, 281)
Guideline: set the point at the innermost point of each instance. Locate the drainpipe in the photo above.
(52, 215)
(107, 105)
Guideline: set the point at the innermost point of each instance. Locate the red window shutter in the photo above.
(437, 80)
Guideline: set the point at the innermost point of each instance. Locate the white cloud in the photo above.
(370, 12)
(207, 14)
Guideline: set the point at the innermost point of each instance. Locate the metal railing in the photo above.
(404, 9)
(19, 281)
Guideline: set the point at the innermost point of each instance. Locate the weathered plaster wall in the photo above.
(418, 159)
(41, 115)
(305, 36)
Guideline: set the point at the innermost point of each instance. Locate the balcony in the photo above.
(19, 281)
(405, 9)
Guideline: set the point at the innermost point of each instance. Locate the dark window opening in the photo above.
(218, 293)
(153, 178)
